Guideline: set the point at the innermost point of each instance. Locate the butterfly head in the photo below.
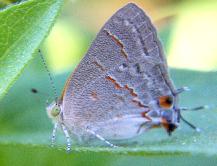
(169, 115)
(53, 111)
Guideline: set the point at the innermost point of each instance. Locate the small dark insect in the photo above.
(33, 90)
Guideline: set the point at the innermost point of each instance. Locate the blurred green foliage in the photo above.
(194, 37)
(22, 29)
(25, 129)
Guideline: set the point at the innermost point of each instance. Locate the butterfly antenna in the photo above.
(49, 75)
(202, 107)
(190, 124)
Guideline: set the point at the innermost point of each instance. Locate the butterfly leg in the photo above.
(53, 138)
(149, 125)
(68, 141)
(101, 138)
(142, 126)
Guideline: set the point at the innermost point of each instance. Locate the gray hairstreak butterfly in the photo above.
(121, 88)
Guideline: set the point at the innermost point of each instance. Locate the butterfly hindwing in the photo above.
(122, 72)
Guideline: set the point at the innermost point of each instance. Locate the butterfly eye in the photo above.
(165, 101)
(55, 111)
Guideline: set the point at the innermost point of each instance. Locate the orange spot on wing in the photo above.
(145, 116)
(94, 96)
(118, 42)
(165, 123)
(117, 86)
(99, 65)
(165, 101)
(131, 91)
(139, 104)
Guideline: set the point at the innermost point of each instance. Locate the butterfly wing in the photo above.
(122, 73)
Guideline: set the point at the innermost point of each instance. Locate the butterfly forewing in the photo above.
(123, 71)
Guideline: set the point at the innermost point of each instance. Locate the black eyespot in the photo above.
(171, 128)
(169, 100)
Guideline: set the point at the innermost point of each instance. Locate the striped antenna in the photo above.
(49, 75)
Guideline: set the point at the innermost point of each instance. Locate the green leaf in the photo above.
(26, 129)
(37, 155)
(22, 29)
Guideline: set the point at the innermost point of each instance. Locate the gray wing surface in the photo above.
(122, 72)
